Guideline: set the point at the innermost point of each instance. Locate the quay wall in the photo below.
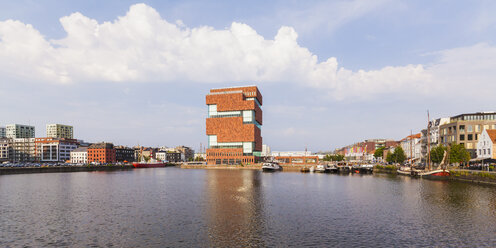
(242, 167)
(55, 169)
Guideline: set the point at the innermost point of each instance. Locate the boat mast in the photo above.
(428, 141)
(411, 153)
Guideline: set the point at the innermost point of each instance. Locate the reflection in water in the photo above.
(172, 207)
(235, 209)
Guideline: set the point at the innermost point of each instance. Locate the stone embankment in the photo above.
(242, 167)
(54, 169)
(473, 176)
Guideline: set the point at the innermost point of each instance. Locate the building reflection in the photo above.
(235, 209)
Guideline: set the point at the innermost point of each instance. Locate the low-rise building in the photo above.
(486, 146)
(124, 154)
(18, 131)
(101, 153)
(297, 160)
(186, 151)
(54, 149)
(412, 147)
(79, 155)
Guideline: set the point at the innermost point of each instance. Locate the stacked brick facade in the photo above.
(237, 137)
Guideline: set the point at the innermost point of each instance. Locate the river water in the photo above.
(172, 207)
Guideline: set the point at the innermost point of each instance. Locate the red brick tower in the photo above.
(234, 125)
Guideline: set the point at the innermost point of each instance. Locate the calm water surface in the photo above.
(174, 207)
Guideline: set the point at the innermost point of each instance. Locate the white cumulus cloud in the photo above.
(143, 47)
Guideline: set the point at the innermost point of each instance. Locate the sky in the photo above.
(331, 73)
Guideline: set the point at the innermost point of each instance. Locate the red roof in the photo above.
(492, 134)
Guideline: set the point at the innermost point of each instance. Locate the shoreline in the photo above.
(62, 169)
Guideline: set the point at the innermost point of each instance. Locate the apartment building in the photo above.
(59, 131)
(18, 131)
(23, 150)
(3, 132)
(233, 125)
(79, 155)
(50, 149)
(465, 129)
(5, 150)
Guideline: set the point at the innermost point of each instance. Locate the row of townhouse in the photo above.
(467, 129)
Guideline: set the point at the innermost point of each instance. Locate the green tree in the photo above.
(390, 157)
(399, 155)
(379, 152)
(437, 153)
(458, 153)
(327, 157)
(338, 157)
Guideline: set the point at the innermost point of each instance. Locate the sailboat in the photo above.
(429, 172)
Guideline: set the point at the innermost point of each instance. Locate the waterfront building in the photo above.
(124, 154)
(486, 146)
(18, 131)
(233, 125)
(54, 149)
(187, 152)
(23, 150)
(433, 135)
(5, 150)
(412, 147)
(169, 156)
(59, 131)
(297, 160)
(266, 151)
(465, 129)
(79, 155)
(101, 153)
(3, 132)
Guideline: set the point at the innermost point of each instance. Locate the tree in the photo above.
(390, 157)
(333, 157)
(458, 153)
(437, 154)
(147, 158)
(379, 153)
(399, 155)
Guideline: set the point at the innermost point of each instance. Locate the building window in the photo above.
(470, 137)
(477, 128)
(462, 128)
(462, 136)
(469, 128)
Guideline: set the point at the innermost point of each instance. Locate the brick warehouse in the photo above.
(234, 125)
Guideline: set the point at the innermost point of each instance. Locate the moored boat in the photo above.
(149, 164)
(320, 168)
(271, 166)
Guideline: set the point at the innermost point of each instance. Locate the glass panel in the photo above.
(248, 115)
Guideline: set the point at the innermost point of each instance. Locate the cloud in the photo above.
(143, 47)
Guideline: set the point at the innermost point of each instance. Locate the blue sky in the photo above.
(331, 72)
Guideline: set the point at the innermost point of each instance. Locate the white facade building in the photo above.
(79, 155)
(17, 131)
(412, 146)
(4, 149)
(486, 144)
(265, 151)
